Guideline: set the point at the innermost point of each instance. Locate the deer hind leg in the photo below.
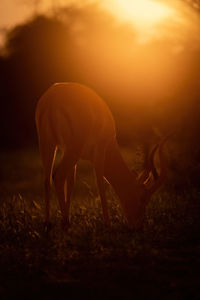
(63, 173)
(70, 185)
(48, 157)
(99, 169)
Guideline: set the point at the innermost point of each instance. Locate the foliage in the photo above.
(147, 86)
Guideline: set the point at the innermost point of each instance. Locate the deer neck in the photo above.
(118, 174)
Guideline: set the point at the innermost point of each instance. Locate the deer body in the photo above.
(75, 119)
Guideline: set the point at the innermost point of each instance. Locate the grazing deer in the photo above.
(73, 118)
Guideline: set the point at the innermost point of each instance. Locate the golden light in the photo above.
(143, 14)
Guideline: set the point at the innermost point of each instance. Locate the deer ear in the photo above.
(163, 168)
(143, 176)
(150, 180)
(149, 168)
(133, 172)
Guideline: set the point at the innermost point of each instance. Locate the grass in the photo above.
(161, 261)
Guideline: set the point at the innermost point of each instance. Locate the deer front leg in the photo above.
(99, 169)
(47, 186)
(70, 186)
(63, 173)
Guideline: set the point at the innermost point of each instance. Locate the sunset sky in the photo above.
(15, 11)
(144, 14)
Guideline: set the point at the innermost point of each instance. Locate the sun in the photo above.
(142, 14)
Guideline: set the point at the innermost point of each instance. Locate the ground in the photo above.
(160, 261)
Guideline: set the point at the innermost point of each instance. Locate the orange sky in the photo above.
(13, 12)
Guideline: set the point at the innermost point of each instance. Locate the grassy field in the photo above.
(161, 261)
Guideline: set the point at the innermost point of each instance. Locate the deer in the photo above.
(73, 118)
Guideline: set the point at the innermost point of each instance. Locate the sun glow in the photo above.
(142, 14)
